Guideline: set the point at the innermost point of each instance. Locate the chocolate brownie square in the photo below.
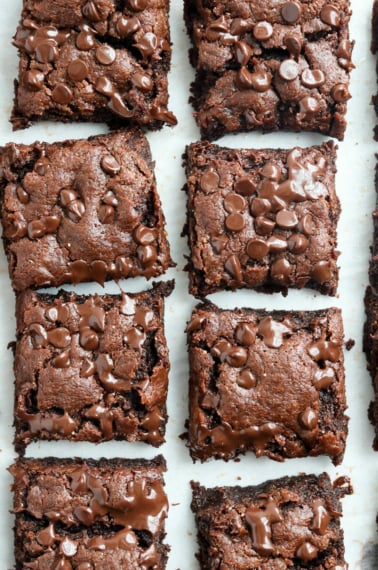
(270, 65)
(292, 522)
(97, 60)
(81, 210)
(84, 514)
(272, 221)
(91, 368)
(267, 382)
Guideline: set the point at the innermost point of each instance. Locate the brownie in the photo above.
(97, 60)
(373, 266)
(84, 514)
(370, 345)
(270, 65)
(91, 368)
(292, 522)
(272, 221)
(83, 210)
(268, 382)
(374, 38)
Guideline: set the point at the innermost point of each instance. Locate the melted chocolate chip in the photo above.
(308, 105)
(127, 26)
(306, 551)
(245, 186)
(281, 270)
(323, 378)
(62, 94)
(321, 272)
(243, 52)
(264, 226)
(330, 15)
(246, 379)
(321, 518)
(260, 521)
(287, 219)
(91, 12)
(245, 334)
(33, 79)
(260, 206)
(293, 44)
(273, 332)
(137, 5)
(340, 93)
(110, 165)
(324, 349)
(85, 39)
(308, 419)
(233, 267)
(297, 243)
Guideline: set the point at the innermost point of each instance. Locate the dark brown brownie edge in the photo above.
(370, 347)
(26, 464)
(207, 501)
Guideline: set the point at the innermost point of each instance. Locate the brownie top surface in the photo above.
(291, 522)
(91, 368)
(85, 513)
(81, 210)
(264, 381)
(270, 65)
(93, 60)
(272, 220)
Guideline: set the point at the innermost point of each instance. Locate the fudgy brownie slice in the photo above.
(83, 210)
(272, 219)
(269, 382)
(293, 522)
(84, 514)
(101, 60)
(91, 368)
(270, 65)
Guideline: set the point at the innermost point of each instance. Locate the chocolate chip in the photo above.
(321, 272)
(106, 214)
(291, 12)
(147, 45)
(144, 235)
(261, 81)
(235, 222)
(38, 335)
(85, 39)
(340, 93)
(293, 44)
(77, 70)
(257, 248)
(238, 26)
(90, 11)
(218, 243)
(46, 51)
(276, 244)
(281, 270)
(33, 79)
(233, 267)
(237, 356)
(62, 94)
(246, 379)
(22, 195)
(330, 15)
(308, 105)
(75, 210)
(308, 419)
(288, 70)
(245, 186)
(137, 5)
(234, 202)
(271, 171)
(110, 165)
(105, 55)
(297, 243)
(262, 31)
(67, 195)
(245, 334)
(36, 229)
(147, 255)
(126, 26)
(264, 226)
(243, 52)
(142, 81)
(260, 206)
(306, 551)
(312, 78)
(59, 337)
(305, 224)
(117, 105)
(88, 338)
(286, 219)
(209, 181)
